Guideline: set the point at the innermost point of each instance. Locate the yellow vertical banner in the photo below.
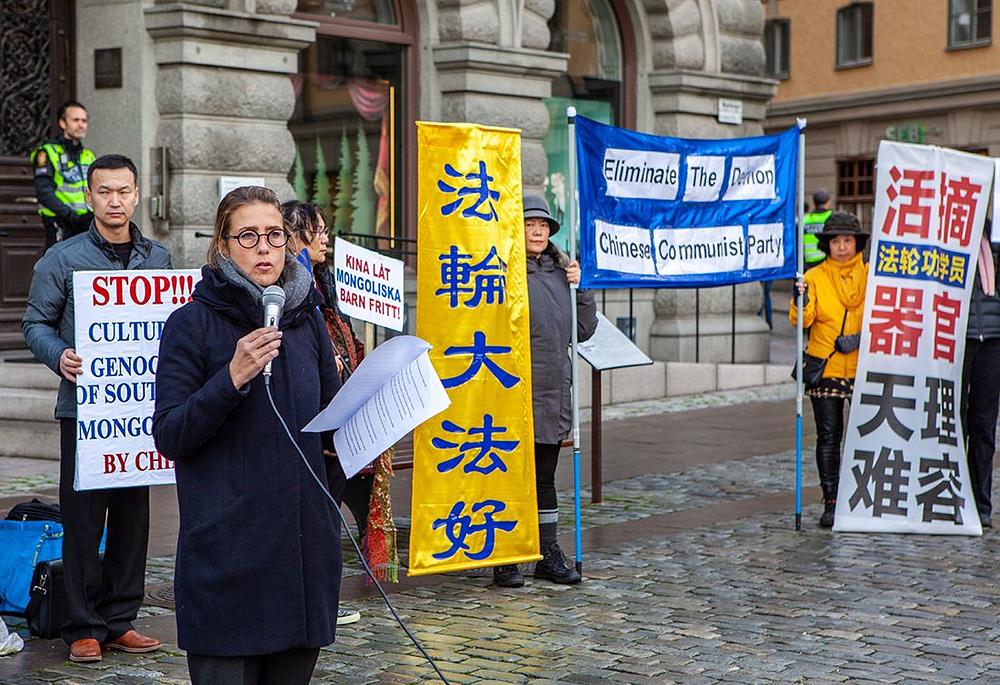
(473, 501)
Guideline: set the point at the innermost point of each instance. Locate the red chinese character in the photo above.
(893, 312)
(959, 198)
(946, 313)
(913, 216)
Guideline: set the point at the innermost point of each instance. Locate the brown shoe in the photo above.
(83, 651)
(134, 643)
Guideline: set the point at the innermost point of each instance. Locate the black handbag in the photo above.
(812, 366)
(47, 606)
(35, 510)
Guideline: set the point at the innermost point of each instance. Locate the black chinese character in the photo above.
(889, 475)
(942, 475)
(940, 410)
(887, 403)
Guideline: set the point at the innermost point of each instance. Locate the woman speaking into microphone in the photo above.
(258, 553)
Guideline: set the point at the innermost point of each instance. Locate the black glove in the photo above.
(847, 343)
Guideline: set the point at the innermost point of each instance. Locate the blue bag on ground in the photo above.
(22, 545)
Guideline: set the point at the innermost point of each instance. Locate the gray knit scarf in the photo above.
(294, 279)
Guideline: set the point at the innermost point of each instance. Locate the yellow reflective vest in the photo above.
(813, 223)
(70, 178)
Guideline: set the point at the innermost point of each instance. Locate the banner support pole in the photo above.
(571, 218)
(800, 271)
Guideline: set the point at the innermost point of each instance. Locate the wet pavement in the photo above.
(693, 574)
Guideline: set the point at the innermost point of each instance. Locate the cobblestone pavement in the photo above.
(675, 592)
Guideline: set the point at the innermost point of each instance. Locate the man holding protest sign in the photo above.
(103, 598)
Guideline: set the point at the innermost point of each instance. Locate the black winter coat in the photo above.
(258, 552)
(984, 310)
(551, 333)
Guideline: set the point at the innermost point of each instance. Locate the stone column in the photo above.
(501, 86)
(705, 50)
(224, 97)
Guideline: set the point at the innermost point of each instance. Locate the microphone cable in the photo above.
(345, 528)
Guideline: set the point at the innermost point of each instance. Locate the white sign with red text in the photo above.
(119, 321)
(904, 465)
(369, 285)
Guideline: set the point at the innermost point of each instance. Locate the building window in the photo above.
(856, 188)
(595, 82)
(353, 93)
(854, 35)
(969, 23)
(776, 47)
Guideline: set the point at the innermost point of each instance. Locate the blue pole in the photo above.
(800, 213)
(571, 217)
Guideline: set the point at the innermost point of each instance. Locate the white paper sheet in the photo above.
(392, 391)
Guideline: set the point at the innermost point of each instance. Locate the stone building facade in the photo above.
(318, 97)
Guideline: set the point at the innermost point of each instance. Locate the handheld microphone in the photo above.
(274, 302)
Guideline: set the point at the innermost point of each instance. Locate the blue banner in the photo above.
(679, 213)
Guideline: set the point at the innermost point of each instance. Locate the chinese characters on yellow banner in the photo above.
(474, 475)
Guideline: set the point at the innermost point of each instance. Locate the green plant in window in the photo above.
(321, 186)
(363, 200)
(345, 187)
(299, 178)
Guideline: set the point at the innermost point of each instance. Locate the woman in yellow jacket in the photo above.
(834, 294)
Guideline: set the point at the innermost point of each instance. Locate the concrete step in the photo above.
(23, 404)
(31, 439)
(29, 375)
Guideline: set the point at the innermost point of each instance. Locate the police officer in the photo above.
(813, 223)
(60, 166)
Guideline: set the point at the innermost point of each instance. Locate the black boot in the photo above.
(507, 576)
(553, 566)
(829, 414)
(829, 510)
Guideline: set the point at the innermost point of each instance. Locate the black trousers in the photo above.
(103, 598)
(546, 458)
(980, 401)
(291, 667)
(829, 415)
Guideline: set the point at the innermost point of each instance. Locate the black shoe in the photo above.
(984, 519)
(829, 509)
(553, 567)
(507, 576)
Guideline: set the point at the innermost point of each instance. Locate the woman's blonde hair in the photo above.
(234, 199)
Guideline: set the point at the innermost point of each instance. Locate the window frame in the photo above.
(404, 34)
(862, 205)
(855, 13)
(976, 12)
(784, 41)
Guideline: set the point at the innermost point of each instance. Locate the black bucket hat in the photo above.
(536, 207)
(842, 223)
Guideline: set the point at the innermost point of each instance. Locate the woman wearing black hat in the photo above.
(550, 272)
(833, 307)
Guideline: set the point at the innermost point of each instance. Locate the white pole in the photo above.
(571, 213)
(800, 232)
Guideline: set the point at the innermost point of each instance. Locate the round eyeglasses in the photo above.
(249, 239)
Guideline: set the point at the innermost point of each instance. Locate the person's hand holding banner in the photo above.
(70, 364)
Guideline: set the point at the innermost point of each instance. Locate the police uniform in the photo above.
(60, 185)
(813, 223)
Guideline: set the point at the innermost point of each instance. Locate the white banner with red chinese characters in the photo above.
(904, 468)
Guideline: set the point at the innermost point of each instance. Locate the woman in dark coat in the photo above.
(258, 553)
(550, 273)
